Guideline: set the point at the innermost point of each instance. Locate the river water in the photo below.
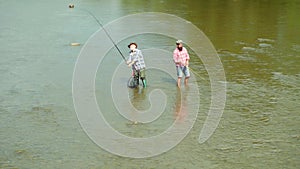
(258, 43)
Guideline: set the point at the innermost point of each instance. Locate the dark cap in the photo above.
(132, 43)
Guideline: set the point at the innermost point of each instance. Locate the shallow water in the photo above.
(257, 41)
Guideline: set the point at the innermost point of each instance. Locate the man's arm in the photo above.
(187, 57)
(129, 60)
(130, 63)
(132, 60)
(175, 57)
(187, 63)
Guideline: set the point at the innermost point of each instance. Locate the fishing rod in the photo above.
(101, 25)
(107, 34)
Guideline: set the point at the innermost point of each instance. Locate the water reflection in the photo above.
(138, 99)
(259, 129)
(181, 105)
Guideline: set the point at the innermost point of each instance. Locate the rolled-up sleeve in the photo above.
(175, 56)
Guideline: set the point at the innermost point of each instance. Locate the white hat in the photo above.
(178, 41)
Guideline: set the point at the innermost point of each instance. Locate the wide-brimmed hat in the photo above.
(132, 43)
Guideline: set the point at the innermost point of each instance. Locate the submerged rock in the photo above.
(246, 48)
(265, 40)
(264, 45)
(71, 6)
(75, 44)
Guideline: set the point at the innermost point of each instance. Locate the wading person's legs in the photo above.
(143, 77)
(179, 74)
(186, 72)
(179, 82)
(186, 81)
(136, 77)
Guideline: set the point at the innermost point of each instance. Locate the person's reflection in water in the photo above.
(138, 101)
(181, 109)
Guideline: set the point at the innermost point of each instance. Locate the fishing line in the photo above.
(115, 45)
(101, 25)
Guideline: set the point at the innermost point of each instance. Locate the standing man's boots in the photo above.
(144, 83)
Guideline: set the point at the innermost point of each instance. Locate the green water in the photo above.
(258, 43)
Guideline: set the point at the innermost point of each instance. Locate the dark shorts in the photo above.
(141, 73)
